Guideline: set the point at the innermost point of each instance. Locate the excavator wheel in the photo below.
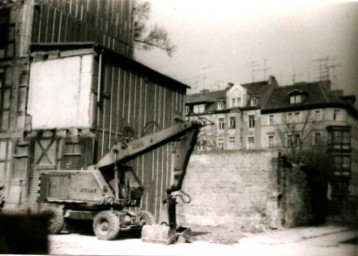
(56, 220)
(106, 225)
(145, 218)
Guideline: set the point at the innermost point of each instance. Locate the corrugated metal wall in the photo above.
(107, 22)
(136, 97)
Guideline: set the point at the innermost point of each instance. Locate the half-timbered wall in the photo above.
(109, 23)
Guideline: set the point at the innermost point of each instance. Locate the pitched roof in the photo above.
(256, 88)
(38, 47)
(205, 97)
(317, 94)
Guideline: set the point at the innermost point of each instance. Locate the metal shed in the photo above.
(82, 99)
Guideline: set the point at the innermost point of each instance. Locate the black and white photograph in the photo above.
(177, 127)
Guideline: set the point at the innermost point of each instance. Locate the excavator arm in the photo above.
(185, 134)
(122, 152)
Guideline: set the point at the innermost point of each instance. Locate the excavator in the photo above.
(109, 192)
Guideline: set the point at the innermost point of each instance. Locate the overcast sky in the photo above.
(217, 40)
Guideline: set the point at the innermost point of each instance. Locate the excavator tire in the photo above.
(145, 218)
(56, 221)
(106, 225)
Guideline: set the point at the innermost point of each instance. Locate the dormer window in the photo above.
(187, 110)
(200, 108)
(253, 102)
(294, 99)
(220, 105)
(296, 96)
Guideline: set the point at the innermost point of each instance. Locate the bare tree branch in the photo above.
(154, 37)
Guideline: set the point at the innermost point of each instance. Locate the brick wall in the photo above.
(240, 188)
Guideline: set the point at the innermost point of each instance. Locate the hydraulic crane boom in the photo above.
(120, 152)
(186, 133)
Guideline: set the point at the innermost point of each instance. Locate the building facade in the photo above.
(295, 119)
(235, 113)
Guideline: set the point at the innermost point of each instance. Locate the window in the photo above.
(317, 115)
(339, 188)
(288, 140)
(297, 140)
(233, 102)
(221, 123)
(251, 142)
(251, 121)
(339, 137)
(5, 98)
(271, 141)
(220, 105)
(7, 35)
(294, 99)
(232, 122)
(271, 120)
(342, 162)
(297, 117)
(289, 117)
(293, 117)
(199, 108)
(232, 142)
(316, 139)
(187, 110)
(221, 144)
(253, 101)
(239, 102)
(293, 140)
(335, 114)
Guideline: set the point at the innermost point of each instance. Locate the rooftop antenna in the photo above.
(294, 74)
(322, 68)
(253, 65)
(203, 70)
(193, 82)
(333, 66)
(265, 68)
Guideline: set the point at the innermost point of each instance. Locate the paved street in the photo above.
(327, 240)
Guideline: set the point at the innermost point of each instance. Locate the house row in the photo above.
(298, 118)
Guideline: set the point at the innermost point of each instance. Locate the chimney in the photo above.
(272, 81)
(338, 93)
(229, 85)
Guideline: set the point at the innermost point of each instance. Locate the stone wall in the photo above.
(241, 188)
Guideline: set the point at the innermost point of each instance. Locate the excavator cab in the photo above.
(129, 186)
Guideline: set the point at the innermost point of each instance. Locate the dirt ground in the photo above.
(305, 241)
(217, 234)
(212, 234)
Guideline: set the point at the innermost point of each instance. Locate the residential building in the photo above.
(302, 115)
(315, 117)
(235, 111)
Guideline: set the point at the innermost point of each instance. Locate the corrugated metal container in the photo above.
(127, 99)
